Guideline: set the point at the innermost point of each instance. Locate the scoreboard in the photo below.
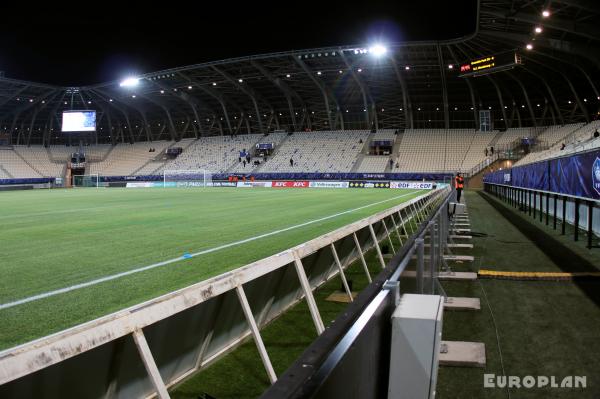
(490, 64)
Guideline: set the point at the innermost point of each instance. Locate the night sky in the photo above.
(95, 42)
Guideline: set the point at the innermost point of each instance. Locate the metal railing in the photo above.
(351, 358)
(582, 213)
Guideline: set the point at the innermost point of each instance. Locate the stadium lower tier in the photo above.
(350, 151)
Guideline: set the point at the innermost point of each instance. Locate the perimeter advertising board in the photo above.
(417, 185)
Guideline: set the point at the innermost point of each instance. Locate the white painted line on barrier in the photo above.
(187, 256)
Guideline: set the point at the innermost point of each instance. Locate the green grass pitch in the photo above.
(52, 239)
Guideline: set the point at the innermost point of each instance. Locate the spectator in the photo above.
(244, 162)
(291, 162)
(391, 163)
(596, 134)
(397, 165)
(562, 146)
(491, 150)
(486, 152)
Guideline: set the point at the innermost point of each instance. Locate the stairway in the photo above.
(29, 163)
(6, 172)
(365, 149)
(476, 181)
(235, 163)
(281, 143)
(160, 162)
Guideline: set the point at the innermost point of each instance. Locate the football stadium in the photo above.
(392, 219)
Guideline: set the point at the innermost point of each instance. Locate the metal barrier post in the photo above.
(419, 242)
(576, 223)
(541, 207)
(547, 209)
(554, 218)
(564, 216)
(387, 232)
(590, 232)
(441, 244)
(376, 243)
(310, 299)
(362, 257)
(256, 333)
(404, 223)
(432, 257)
(341, 269)
(150, 364)
(396, 228)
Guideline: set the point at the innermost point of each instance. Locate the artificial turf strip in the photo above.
(544, 327)
(56, 238)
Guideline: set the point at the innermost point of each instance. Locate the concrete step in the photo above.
(460, 237)
(457, 276)
(460, 246)
(462, 354)
(454, 245)
(461, 230)
(459, 258)
(452, 258)
(462, 303)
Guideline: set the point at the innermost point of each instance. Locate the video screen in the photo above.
(79, 121)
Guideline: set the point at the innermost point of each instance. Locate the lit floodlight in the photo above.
(129, 82)
(538, 29)
(378, 50)
(545, 13)
(529, 46)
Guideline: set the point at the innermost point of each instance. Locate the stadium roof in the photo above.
(412, 85)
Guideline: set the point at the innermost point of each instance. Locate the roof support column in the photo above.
(444, 87)
(363, 91)
(408, 116)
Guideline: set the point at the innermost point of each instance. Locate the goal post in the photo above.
(91, 180)
(187, 178)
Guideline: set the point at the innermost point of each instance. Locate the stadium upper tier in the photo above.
(565, 140)
(415, 150)
(413, 85)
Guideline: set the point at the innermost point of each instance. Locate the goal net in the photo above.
(187, 178)
(86, 180)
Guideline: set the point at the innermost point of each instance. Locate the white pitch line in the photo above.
(180, 258)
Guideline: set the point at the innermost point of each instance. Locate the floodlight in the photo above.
(378, 50)
(538, 29)
(529, 46)
(129, 82)
(545, 13)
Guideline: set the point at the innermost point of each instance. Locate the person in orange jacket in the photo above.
(459, 185)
